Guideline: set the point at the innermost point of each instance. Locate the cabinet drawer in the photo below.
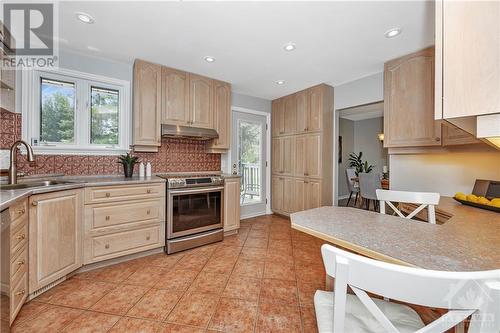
(18, 210)
(18, 264)
(125, 242)
(18, 295)
(123, 192)
(121, 213)
(19, 236)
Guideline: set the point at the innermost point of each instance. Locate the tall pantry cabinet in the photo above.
(302, 150)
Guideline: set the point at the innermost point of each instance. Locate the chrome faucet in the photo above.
(13, 159)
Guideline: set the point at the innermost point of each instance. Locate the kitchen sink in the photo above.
(38, 183)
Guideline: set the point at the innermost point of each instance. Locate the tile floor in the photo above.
(261, 280)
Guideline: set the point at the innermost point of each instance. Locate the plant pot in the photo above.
(128, 170)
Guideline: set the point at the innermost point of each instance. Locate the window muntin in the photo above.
(104, 113)
(57, 111)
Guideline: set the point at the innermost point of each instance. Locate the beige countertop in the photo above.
(8, 197)
(468, 241)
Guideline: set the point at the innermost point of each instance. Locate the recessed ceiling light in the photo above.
(280, 82)
(209, 59)
(391, 33)
(84, 17)
(289, 46)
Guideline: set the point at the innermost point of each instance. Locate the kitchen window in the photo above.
(67, 112)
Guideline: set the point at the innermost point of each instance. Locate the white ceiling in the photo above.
(336, 41)
(368, 111)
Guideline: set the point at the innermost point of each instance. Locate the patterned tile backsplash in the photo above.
(174, 155)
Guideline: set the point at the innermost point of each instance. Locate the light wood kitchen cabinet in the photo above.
(409, 101)
(231, 204)
(221, 116)
(302, 162)
(467, 58)
(283, 155)
(55, 221)
(175, 96)
(289, 115)
(454, 136)
(200, 101)
(147, 106)
(278, 117)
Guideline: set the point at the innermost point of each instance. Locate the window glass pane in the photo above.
(104, 116)
(249, 151)
(57, 111)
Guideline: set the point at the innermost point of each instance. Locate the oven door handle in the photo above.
(196, 190)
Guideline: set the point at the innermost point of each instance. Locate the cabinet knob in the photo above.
(438, 139)
(107, 217)
(22, 292)
(148, 190)
(106, 246)
(108, 194)
(34, 203)
(21, 236)
(21, 211)
(148, 212)
(21, 262)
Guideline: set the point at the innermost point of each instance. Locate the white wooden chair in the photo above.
(462, 293)
(425, 199)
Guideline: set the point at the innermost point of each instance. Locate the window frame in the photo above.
(31, 111)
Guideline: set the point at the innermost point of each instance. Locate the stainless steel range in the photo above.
(194, 211)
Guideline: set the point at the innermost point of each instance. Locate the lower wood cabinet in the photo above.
(55, 244)
(232, 204)
(290, 195)
(122, 220)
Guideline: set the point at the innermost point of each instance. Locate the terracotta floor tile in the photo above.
(52, 319)
(280, 256)
(253, 253)
(173, 328)
(258, 233)
(308, 316)
(279, 291)
(29, 310)
(243, 287)
(209, 282)
(234, 315)
(234, 240)
(256, 242)
(156, 304)
(83, 294)
(251, 268)
(278, 319)
(309, 274)
(227, 251)
(279, 270)
(194, 309)
(120, 300)
(116, 273)
(146, 276)
(307, 291)
(134, 325)
(61, 289)
(220, 264)
(91, 322)
(163, 260)
(176, 279)
(192, 262)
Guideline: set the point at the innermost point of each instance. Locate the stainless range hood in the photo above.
(178, 131)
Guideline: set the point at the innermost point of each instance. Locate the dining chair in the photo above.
(352, 185)
(368, 184)
(424, 199)
(463, 294)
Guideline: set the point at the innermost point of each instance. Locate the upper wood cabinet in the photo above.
(454, 136)
(55, 245)
(175, 96)
(316, 104)
(409, 101)
(147, 106)
(302, 101)
(200, 101)
(467, 58)
(278, 117)
(222, 115)
(289, 115)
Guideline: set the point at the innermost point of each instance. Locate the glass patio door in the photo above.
(248, 153)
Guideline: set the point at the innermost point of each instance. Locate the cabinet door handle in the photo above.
(34, 203)
(106, 246)
(107, 217)
(148, 190)
(148, 212)
(438, 139)
(21, 211)
(148, 237)
(21, 262)
(108, 194)
(21, 236)
(22, 292)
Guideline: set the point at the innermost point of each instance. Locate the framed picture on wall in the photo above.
(340, 149)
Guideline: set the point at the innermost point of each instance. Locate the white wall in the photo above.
(444, 173)
(250, 102)
(366, 140)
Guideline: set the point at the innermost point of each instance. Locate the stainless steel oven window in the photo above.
(180, 195)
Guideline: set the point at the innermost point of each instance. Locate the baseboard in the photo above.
(343, 197)
(248, 216)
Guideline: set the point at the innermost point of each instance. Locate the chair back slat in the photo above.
(463, 293)
(425, 199)
(374, 310)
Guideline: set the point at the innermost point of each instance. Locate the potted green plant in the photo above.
(128, 161)
(356, 162)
